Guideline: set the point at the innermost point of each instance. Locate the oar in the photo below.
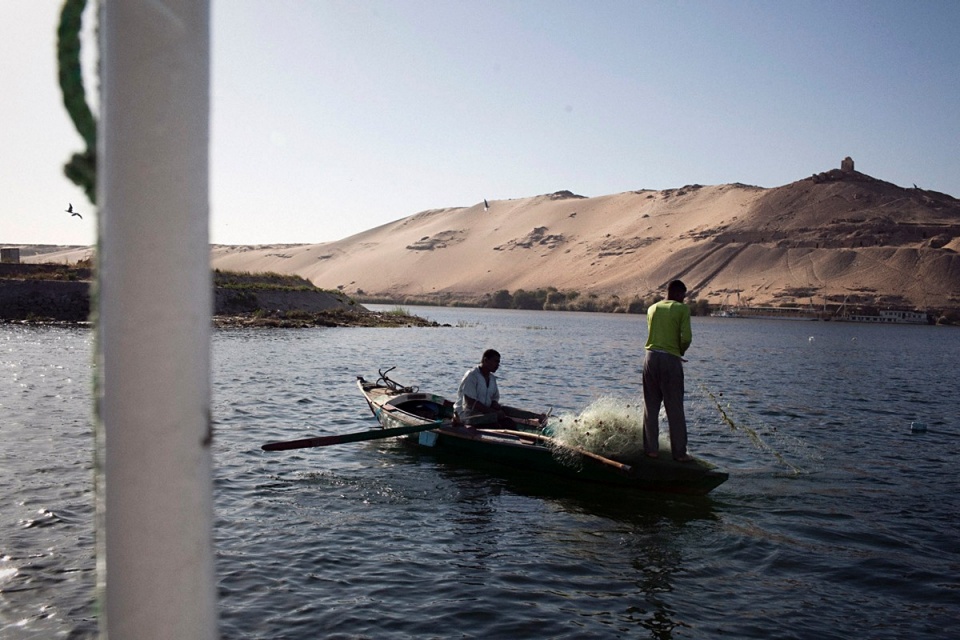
(619, 466)
(323, 441)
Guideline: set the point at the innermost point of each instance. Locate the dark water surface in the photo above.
(837, 520)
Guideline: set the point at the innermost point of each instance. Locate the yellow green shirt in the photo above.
(668, 327)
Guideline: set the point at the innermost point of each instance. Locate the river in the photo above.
(837, 521)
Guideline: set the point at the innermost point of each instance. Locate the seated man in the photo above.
(478, 398)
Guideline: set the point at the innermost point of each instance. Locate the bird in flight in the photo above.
(70, 210)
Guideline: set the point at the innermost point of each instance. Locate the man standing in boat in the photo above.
(478, 394)
(668, 338)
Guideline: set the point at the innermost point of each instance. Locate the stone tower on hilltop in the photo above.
(846, 164)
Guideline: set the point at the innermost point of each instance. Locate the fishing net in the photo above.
(609, 426)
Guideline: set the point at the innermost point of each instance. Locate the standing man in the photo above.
(478, 393)
(668, 337)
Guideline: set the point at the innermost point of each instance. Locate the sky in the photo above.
(332, 117)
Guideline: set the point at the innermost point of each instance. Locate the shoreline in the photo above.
(58, 295)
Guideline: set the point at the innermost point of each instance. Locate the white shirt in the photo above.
(475, 386)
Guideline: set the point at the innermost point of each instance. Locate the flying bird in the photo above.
(70, 210)
(485, 205)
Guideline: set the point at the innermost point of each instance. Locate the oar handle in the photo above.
(375, 434)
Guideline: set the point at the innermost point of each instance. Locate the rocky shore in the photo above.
(60, 294)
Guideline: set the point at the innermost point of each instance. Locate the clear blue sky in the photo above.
(332, 117)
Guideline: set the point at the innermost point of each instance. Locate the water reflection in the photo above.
(478, 479)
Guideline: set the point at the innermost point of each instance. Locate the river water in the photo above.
(838, 520)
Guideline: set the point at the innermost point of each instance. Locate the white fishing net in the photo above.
(609, 426)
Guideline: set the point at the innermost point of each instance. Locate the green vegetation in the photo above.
(552, 299)
(79, 272)
(243, 286)
(543, 299)
(300, 319)
(267, 281)
(397, 311)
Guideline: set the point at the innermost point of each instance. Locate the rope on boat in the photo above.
(394, 386)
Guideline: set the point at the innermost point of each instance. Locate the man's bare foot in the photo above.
(652, 454)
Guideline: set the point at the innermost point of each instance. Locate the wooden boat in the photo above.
(523, 444)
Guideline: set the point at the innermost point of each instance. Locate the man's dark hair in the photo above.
(490, 353)
(676, 286)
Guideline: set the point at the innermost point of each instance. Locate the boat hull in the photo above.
(523, 447)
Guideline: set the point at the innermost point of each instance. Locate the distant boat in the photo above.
(779, 313)
(725, 313)
(888, 317)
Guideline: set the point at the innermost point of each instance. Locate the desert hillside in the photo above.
(835, 236)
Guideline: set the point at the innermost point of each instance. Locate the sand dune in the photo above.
(841, 235)
(834, 236)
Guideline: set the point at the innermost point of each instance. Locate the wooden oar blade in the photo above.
(324, 441)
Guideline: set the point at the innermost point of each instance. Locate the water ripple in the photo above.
(837, 521)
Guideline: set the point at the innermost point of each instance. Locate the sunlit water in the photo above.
(837, 520)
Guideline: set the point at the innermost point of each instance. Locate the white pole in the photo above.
(155, 563)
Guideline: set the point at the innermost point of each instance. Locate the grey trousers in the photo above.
(663, 383)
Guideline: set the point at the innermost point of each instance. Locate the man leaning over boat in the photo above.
(478, 398)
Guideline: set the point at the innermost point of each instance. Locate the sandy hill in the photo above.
(833, 236)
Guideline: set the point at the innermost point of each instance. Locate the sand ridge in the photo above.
(846, 235)
(837, 235)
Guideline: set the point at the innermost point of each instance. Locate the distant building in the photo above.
(846, 164)
(11, 254)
